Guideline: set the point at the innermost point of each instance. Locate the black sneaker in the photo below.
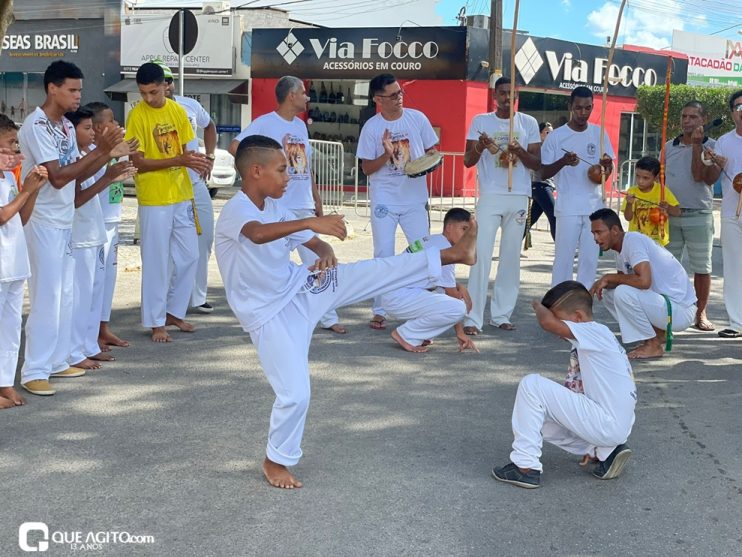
(204, 308)
(612, 466)
(512, 475)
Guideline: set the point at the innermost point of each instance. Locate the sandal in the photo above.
(378, 322)
(730, 333)
(506, 326)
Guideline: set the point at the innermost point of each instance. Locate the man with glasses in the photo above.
(301, 197)
(169, 245)
(728, 163)
(692, 182)
(390, 139)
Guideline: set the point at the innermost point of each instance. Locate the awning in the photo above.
(236, 89)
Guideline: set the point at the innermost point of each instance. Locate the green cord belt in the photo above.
(668, 330)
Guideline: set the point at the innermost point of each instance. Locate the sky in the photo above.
(645, 22)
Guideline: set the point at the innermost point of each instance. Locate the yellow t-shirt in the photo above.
(162, 133)
(642, 219)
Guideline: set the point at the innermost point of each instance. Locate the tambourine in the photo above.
(423, 165)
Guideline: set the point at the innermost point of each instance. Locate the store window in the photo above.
(20, 92)
(225, 114)
(636, 139)
(545, 107)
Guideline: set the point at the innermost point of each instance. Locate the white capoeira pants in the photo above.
(11, 311)
(429, 314)
(573, 234)
(638, 310)
(169, 248)
(731, 253)
(309, 258)
(110, 253)
(545, 410)
(384, 220)
(87, 301)
(507, 213)
(50, 292)
(283, 342)
(205, 210)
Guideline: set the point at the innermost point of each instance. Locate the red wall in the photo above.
(263, 96)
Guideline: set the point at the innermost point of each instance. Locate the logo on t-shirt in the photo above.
(400, 152)
(591, 149)
(319, 282)
(166, 139)
(296, 154)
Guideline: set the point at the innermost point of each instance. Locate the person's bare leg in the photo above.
(702, 286)
(87, 363)
(465, 250)
(12, 395)
(184, 326)
(406, 345)
(279, 476)
(159, 334)
(107, 338)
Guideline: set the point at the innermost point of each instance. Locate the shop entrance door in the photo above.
(637, 138)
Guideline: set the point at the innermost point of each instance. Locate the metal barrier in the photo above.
(623, 182)
(445, 178)
(328, 164)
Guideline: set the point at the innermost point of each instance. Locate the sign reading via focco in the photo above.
(408, 53)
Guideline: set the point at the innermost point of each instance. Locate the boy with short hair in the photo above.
(596, 422)
(111, 199)
(432, 309)
(14, 267)
(88, 237)
(644, 207)
(279, 302)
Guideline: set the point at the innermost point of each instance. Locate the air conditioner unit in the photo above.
(217, 7)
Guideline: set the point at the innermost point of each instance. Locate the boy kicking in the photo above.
(279, 302)
(597, 422)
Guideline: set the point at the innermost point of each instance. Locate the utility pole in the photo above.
(495, 49)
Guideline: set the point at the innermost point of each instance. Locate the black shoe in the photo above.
(204, 308)
(612, 466)
(512, 475)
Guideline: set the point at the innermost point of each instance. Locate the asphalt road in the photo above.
(167, 442)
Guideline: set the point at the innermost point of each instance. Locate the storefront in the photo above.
(31, 45)
(444, 72)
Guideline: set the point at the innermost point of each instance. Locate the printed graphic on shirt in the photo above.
(650, 221)
(65, 145)
(573, 381)
(400, 153)
(295, 150)
(501, 140)
(116, 192)
(167, 140)
(592, 149)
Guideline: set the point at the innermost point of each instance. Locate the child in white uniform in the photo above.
(597, 422)
(433, 310)
(279, 303)
(14, 267)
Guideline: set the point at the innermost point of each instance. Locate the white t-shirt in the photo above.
(576, 194)
(668, 276)
(412, 135)
(493, 176)
(43, 141)
(295, 140)
(729, 145)
(447, 277)
(259, 279)
(606, 372)
(13, 254)
(88, 226)
(199, 118)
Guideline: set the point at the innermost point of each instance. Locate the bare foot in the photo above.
(279, 476)
(86, 364)
(184, 326)
(465, 250)
(103, 347)
(107, 338)
(587, 459)
(650, 349)
(506, 326)
(12, 395)
(702, 322)
(159, 334)
(102, 356)
(471, 330)
(337, 328)
(406, 345)
(5, 403)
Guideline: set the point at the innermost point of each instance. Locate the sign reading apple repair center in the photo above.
(357, 53)
(153, 34)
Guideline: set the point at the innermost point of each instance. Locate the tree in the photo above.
(6, 18)
(651, 100)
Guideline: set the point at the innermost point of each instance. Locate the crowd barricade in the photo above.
(625, 179)
(328, 166)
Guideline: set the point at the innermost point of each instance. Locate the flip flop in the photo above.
(705, 325)
(378, 323)
(729, 333)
